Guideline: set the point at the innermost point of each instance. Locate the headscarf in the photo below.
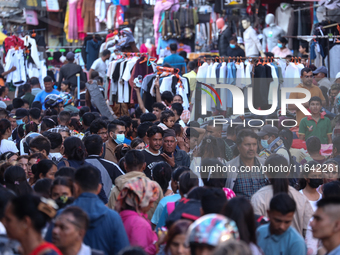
(137, 193)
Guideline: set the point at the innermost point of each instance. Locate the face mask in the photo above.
(279, 45)
(314, 183)
(233, 46)
(264, 144)
(120, 138)
(19, 122)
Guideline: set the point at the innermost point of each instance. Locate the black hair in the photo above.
(178, 129)
(88, 118)
(74, 149)
(231, 130)
(336, 143)
(21, 130)
(213, 200)
(282, 203)
(191, 132)
(196, 193)
(75, 124)
(27, 206)
(305, 70)
(31, 127)
(313, 144)
(183, 54)
(43, 167)
(17, 103)
(5, 196)
(106, 52)
(245, 18)
(132, 250)
(241, 211)
(96, 125)
(178, 108)
(167, 96)
(331, 189)
(278, 180)
(186, 182)
(48, 79)
(328, 201)
(63, 181)
(34, 81)
(64, 116)
(41, 143)
(210, 148)
(42, 187)
(37, 104)
(99, 80)
(67, 83)
(324, 91)
(165, 115)
(318, 99)
(159, 106)
(134, 158)
(173, 47)
(178, 171)
(245, 133)
(82, 85)
(66, 172)
(127, 120)
(304, 45)
(3, 89)
(138, 112)
(135, 142)
(287, 137)
(192, 65)
(283, 40)
(26, 87)
(55, 139)
(94, 74)
(88, 178)
(35, 113)
(3, 114)
(79, 215)
(83, 110)
(15, 180)
(161, 173)
(5, 124)
(143, 128)
(47, 123)
(213, 179)
(211, 123)
(93, 144)
(154, 130)
(148, 116)
(121, 150)
(10, 107)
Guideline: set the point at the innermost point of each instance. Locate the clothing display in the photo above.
(283, 14)
(251, 42)
(223, 41)
(88, 14)
(270, 36)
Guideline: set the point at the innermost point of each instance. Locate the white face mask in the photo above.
(119, 138)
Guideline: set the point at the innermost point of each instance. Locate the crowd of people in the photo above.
(75, 182)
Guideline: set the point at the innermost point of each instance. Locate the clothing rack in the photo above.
(306, 8)
(63, 47)
(26, 31)
(167, 69)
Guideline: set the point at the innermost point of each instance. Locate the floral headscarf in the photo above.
(137, 192)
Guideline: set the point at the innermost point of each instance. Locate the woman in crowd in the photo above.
(74, 151)
(4, 93)
(240, 210)
(61, 187)
(5, 133)
(311, 179)
(43, 187)
(175, 239)
(9, 157)
(134, 201)
(137, 144)
(30, 127)
(65, 87)
(46, 124)
(280, 184)
(22, 161)
(161, 173)
(44, 169)
(25, 217)
(33, 159)
(15, 180)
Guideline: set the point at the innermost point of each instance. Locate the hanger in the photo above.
(143, 61)
(259, 62)
(229, 59)
(33, 34)
(238, 60)
(94, 38)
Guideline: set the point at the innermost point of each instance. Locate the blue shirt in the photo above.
(42, 95)
(290, 242)
(176, 61)
(162, 203)
(336, 251)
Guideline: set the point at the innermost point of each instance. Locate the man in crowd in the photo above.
(153, 153)
(56, 141)
(191, 75)
(28, 94)
(316, 124)
(320, 76)
(278, 237)
(177, 109)
(48, 83)
(99, 65)
(69, 231)
(21, 116)
(35, 115)
(109, 170)
(326, 224)
(175, 60)
(173, 156)
(157, 109)
(307, 83)
(246, 183)
(99, 127)
(107, 231)
(87, 119)
(233, 49)
(116, 133)
(142, 130)
(333, 104)
(36, 88)
(336, 149)
(64, 119)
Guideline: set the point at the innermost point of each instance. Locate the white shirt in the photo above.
(251, 42)
(312, 203)
(6, 146)
(99, 66)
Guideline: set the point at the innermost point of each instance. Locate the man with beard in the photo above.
(174, 157)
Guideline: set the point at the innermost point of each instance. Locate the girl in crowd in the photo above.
(33, 159)
(30, 127)
(161, 173)
(65, 87)
(61, 187)
(5, 133)
(74, 151)
(311, 179)
(44, 169)
(240, 210)
(15, 180)
(4, 93)
(9, 157)
(25, 217)
(134, 201)
(138, 144)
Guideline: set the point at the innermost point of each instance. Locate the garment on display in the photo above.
(223, 37)
(252, 44)
(283, 14)
(271, 34)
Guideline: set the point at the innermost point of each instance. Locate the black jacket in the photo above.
(223, 42)
(69, 71)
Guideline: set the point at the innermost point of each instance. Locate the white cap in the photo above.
(337, 75)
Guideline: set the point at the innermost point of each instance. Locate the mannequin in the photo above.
(224, 36)
(148, 47)
(148, 43)
(251, 42)
(271, 34)
(283, 14)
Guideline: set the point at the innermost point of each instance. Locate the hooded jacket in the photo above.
(119, 184)
(106, 231)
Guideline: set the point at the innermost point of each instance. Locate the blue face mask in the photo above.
(264, 144)
(19, 122)
(233, 46)
(279, 45)
(120, 138)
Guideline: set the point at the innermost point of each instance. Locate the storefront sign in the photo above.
(32, 18)
(31, 4)
(52, 5)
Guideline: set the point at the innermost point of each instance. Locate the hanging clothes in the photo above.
(88, 15)
(72, 21)
(31, 44)
(151, 50)
(262, 79)
(80, 21)
(16, 58)
(92, 51)
(274, 85)
(292, 76)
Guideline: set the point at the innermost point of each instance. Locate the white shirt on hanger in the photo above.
(274, 85)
